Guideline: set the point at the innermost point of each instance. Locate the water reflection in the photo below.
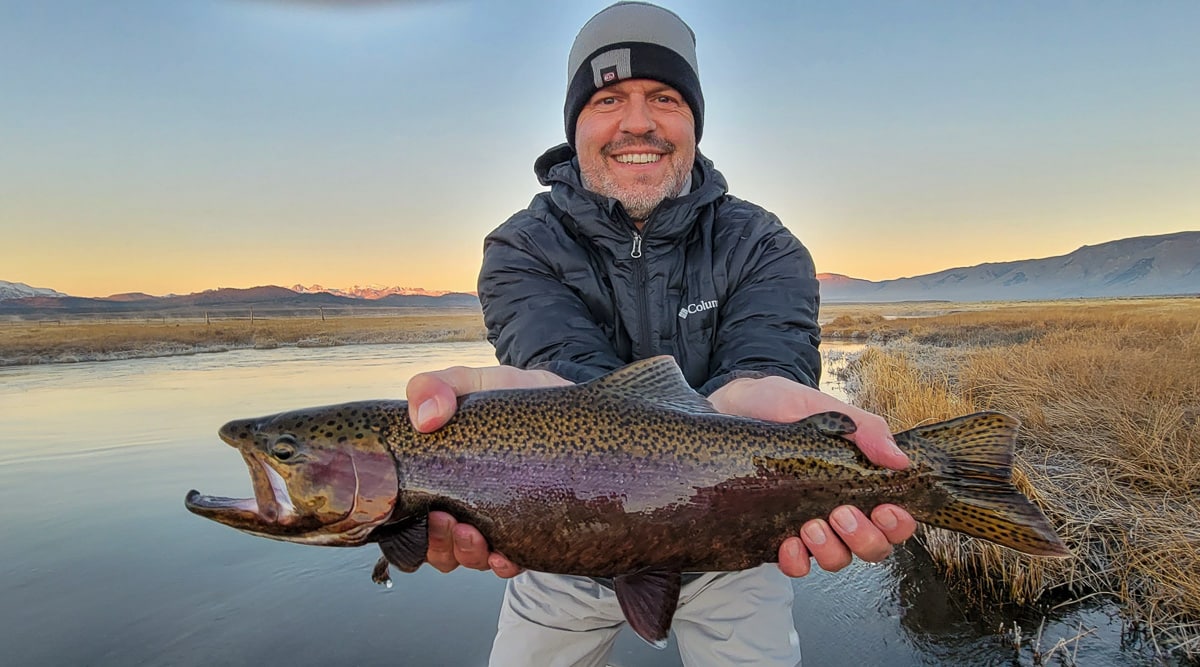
(100, 564)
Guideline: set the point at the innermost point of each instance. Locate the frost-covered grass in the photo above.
(1109, 399)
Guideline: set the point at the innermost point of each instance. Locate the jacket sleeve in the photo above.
(533, 319)
(768, 323)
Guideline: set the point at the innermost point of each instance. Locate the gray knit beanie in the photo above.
(632, 40)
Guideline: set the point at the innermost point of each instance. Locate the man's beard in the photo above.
(642, 197)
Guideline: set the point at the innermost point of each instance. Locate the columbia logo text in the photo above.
(693, 308)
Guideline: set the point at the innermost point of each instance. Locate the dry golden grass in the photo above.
(84, 340)
(1109, 398)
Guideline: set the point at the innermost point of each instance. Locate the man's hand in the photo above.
(432, 400)
(848, 532)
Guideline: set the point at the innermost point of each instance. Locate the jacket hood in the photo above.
(604, 218)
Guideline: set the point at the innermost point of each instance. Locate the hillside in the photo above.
(1141, 266)
(265, 300)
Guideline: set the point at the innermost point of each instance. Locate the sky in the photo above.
(173, 147)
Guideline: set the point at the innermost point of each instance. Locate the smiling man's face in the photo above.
(636, 142)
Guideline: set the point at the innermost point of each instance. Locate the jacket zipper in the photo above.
(643, 302)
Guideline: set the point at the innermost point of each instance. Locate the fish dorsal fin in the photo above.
(657, 380)
(403, 544)
(648, 599)
(832, 423)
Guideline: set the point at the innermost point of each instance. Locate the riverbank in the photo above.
(76, 340)
(80, 338)
(1107, 393)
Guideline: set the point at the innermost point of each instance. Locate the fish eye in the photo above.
(284, 447)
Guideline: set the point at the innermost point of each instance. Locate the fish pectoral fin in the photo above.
(404, 544)
(832, 423)
(648, 599)
(379, 574)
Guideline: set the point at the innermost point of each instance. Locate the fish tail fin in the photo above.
(971, 458)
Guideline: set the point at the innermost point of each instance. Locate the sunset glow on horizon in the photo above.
(177, 147)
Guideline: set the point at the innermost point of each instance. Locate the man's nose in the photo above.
(637, 118)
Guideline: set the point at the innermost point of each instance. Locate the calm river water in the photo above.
(100, 564)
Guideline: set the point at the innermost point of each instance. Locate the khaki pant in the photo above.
(731, 618)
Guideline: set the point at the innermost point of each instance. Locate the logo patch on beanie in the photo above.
(610, 67)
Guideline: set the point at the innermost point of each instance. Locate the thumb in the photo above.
(431, 402)
(876, 441)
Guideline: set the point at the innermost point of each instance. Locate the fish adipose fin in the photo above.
(832, 423)
(403, 544)
(648, 599)
(971, 458)
(656, 380)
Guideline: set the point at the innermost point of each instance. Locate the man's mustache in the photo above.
(648, 140)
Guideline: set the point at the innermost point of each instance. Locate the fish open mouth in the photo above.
(311, 490)
(270, 511)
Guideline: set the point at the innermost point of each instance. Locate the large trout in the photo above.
(632, 476)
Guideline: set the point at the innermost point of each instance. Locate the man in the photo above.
(638, 250)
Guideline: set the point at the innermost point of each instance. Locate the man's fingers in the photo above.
(433, 396)
(503, 567)
(829, 551)
(440, 552)
(452, 544)
(896, 524)
(470, 548)
(875, 440)
(782, 400)
(860, 536)
(793, 558)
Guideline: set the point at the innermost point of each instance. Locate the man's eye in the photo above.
(607, 100)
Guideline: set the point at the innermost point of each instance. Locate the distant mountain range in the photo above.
(1142, 266)
(266, 300)
(369, 291)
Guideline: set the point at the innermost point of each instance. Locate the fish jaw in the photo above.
(330, 491)
(270, 508)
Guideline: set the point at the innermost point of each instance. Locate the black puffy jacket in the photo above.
(570, 286)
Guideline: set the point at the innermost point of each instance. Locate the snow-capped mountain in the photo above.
(368, 291)
(19, 290)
